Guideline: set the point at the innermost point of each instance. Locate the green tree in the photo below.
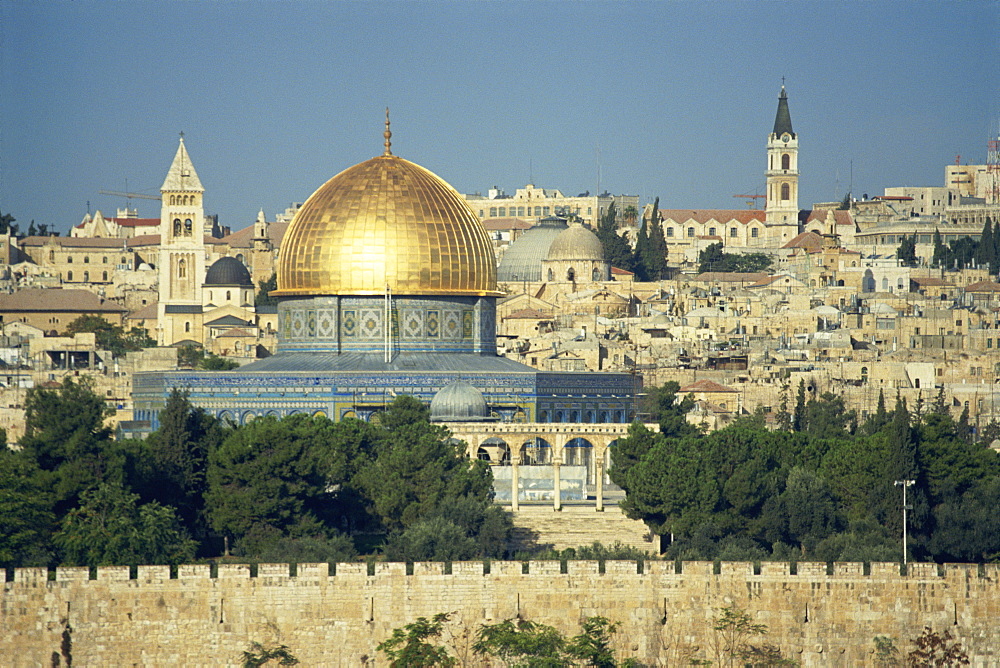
(985, 254)
(654, 258)
(111, 337)
(907, 251)
(714, 258)
(213, 362)
(65, 436)
(933, 649)
(171, 466)
(417, 469)
(26, 518)
(940, 257)
(593, 645)
(522, 643)
(886, 652)
(409, 647)
(189, 356)
(264, 289)
(617, 250)
(7, 225)
(278, 474)
(111, 527)
(259, 655)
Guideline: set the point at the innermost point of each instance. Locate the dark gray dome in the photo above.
(523, 260)
(228, 271)
(459, 402)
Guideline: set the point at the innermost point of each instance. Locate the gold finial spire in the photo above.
(387, 134)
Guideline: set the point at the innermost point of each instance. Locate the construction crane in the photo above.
(127, 195)
(752, 200)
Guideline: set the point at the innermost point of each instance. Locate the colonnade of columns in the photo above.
(558, 435)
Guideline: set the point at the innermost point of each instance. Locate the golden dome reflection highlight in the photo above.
(386, 221)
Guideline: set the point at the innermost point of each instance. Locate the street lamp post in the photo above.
(904, 484)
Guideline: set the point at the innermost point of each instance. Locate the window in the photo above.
(733, 232)
(670, 231)
(493, 212)
(571, 275)
(690, 231)
(104, 276)
(754, 232)
(86, 259)
(69, 275)
(711, 231)
(785, 161)
(229, 295)
(989, 343)
(187, 326)
(502, 211)
(177, 227)
(104, 260)
(520, 210)
(596, 274)
(188, 227)
(69, 260)
(784, 191)
(86, 277)
(181, 269)
(552, 275)
(545, 210)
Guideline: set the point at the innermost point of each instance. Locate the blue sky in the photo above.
(670, 99)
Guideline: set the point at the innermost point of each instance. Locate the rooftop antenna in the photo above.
(598, 193)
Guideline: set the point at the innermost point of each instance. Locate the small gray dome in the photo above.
(228, 271)
(576, 243)
(459, 402)
(523, 260)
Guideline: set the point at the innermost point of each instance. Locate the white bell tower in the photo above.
(782, 175)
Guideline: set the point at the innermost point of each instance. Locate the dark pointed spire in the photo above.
(783, 119)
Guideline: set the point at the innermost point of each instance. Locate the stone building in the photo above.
(532, 204)
(387, 284)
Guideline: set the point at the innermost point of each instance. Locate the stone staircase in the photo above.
(573, 526)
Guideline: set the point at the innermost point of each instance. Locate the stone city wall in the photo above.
(335, 616)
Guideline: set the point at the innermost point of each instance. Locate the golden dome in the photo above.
(386, 221)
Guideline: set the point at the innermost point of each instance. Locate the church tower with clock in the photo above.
(782, 212)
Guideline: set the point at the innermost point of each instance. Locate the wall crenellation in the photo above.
(336, 614)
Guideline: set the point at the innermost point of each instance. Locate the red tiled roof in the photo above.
(807, 240)
(730, 276)
(840, 217)
(705, 385)
(136, 222)
(621, 272)
(56, 299)
(929, 281)
(244, 238)
(718, 215)
(147, 312)
(983, 286)
(506, 224)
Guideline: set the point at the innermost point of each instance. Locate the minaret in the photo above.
(182, 252)
(782, 175)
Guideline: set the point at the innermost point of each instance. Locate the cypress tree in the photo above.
(985, 253)
(642, 250)
(940, 258)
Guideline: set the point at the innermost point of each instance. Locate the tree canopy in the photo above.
(823, 491)
(111, 337)
(714, 258)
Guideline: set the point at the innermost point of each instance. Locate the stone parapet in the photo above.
(818, 614)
